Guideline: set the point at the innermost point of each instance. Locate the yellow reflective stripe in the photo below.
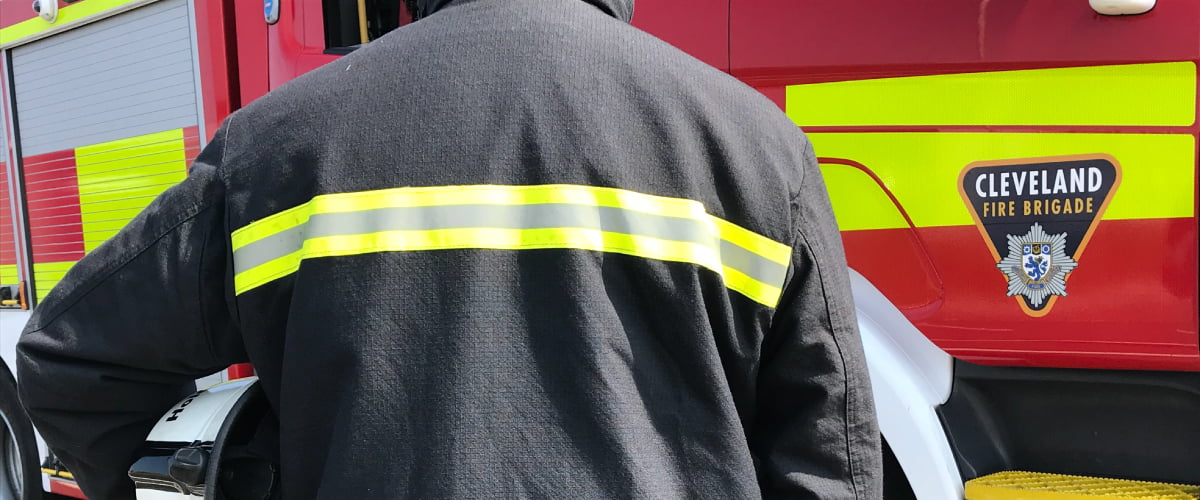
(118, 179)
(265, 250)
(763, 247)
(760, 292)
(481, 238)
(273, 224)
(1135, 94)
(922, 169)
(70, 14)
(858, 201)
(471, 195)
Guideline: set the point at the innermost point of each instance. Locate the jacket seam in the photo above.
(222, 174)
(805, 155)
(848, 407)
(792, 200)
(200, 291)
(225, 150)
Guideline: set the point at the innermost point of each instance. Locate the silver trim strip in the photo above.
(16, 200)
(538, 216)
(201, 121)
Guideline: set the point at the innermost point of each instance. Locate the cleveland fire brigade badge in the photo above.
(1037, 265)
(1036, 215)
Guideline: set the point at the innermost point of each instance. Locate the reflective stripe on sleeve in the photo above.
(510, 218)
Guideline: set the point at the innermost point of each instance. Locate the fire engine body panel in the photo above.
(1015, 182)
(933, 93)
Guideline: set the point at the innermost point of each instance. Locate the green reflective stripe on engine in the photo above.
(510, 218)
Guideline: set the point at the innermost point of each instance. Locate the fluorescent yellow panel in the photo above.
(120, 211)
(68, 14)
(129, 191)
(123, 150)
(47, 274)
(106, 226)
(8, 275)
(118, 179)
(858, 201)
(1133, 94)
(103, 210)
(922, 169)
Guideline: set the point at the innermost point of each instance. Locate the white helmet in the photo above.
(188, 454)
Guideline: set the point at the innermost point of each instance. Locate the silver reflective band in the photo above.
(510, 218)
(543, 216)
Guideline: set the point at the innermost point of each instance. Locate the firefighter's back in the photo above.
(494, 254)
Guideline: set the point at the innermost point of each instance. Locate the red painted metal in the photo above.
(297, 42)
(783, 42)
(216, 47)
(253, 78)
(1131, 303)
(1034, 31)
(191, 142)
(909, 266)
(798, 40)
(699, 27)
(8, 234)
(15, 11)
(241, 370)
(66, 488)
(17, 224)
(52, 199)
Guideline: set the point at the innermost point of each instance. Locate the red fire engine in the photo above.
(1015, 182)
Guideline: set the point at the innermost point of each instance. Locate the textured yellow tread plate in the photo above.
(1015, 485)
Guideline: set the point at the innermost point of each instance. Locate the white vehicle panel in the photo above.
(910, 377)
(11, 324)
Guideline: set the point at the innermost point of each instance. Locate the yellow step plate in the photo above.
(1015, 485)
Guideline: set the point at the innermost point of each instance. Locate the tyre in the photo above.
(20, 477)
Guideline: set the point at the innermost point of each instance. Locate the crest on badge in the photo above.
(1036, 216)
(1037, 265)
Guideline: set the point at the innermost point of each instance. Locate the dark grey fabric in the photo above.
(483, 373)
(620, 9)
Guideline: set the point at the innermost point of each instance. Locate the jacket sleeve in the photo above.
(129, 328)
(815, 433)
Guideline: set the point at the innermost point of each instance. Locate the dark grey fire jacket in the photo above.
(517, 249)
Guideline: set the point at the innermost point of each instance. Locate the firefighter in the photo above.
(515, 249)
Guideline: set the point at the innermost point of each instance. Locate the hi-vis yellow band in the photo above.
(510, 218)
(1158, 94)
(68, 16)
(118, 179)
(921, 169)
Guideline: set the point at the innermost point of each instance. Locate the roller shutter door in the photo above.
(108, 116)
